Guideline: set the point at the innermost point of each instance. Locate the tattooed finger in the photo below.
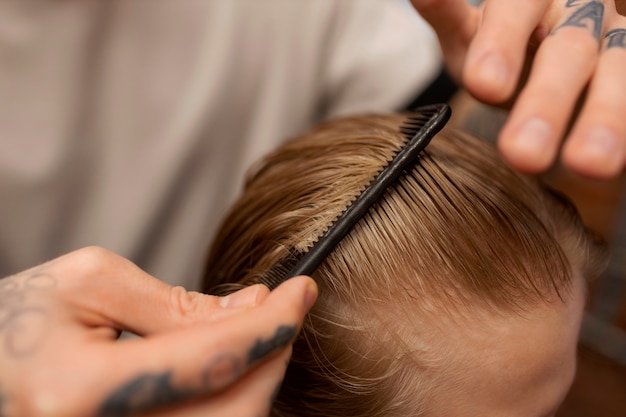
(589, 15)
(194, 362)
(530, 140)
(615, 38)
(281, 339)
(251, 396)
(152, 390)
(496, 55)
(597, 143)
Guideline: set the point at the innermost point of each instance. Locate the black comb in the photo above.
(418, 130)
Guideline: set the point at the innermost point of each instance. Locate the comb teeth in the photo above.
(279, 273)
(415, 122)
(418, 129)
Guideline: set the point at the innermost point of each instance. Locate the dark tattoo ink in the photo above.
(283, 336)
(616, 38)
(152, 391)
(144, 393)
(591, 13)
(22, 321)
(571, 3)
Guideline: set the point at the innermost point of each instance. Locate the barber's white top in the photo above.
(129, 124)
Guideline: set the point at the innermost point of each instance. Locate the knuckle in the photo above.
(92, 259)
(184, 304)
(82, 269)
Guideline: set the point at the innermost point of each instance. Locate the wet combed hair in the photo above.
(460, 232)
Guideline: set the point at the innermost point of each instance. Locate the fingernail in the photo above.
(493, 69)
(533, 138)
(310, 295)
(246, 297)
(602, 143)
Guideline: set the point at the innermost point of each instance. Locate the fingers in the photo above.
(597, 144)
(455, 22)
(490, 47)
(204, 359)
(252, 396)
(106, 290)
(563, 65)
(49, 329)
(497, 53)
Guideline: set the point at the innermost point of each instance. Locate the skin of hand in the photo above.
(560, 65)
(198, 354)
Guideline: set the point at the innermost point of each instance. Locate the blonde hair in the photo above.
(459, 232)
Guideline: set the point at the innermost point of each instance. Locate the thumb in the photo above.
(107, 290)
(178, 366)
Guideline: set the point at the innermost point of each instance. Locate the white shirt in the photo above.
(130, 124)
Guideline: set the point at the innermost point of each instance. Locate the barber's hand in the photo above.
(568, 45)
(200, 354)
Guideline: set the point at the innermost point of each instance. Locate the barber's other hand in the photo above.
(574, 49)
(199, 355)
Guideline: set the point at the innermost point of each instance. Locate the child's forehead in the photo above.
(519, 364)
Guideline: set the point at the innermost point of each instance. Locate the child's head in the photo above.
(459, 294)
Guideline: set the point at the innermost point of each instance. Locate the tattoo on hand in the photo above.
(281, 339)
(571, 3)
(143, 394)
(616, 38)
(591, 14)
(22, 320)
(153, 390)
